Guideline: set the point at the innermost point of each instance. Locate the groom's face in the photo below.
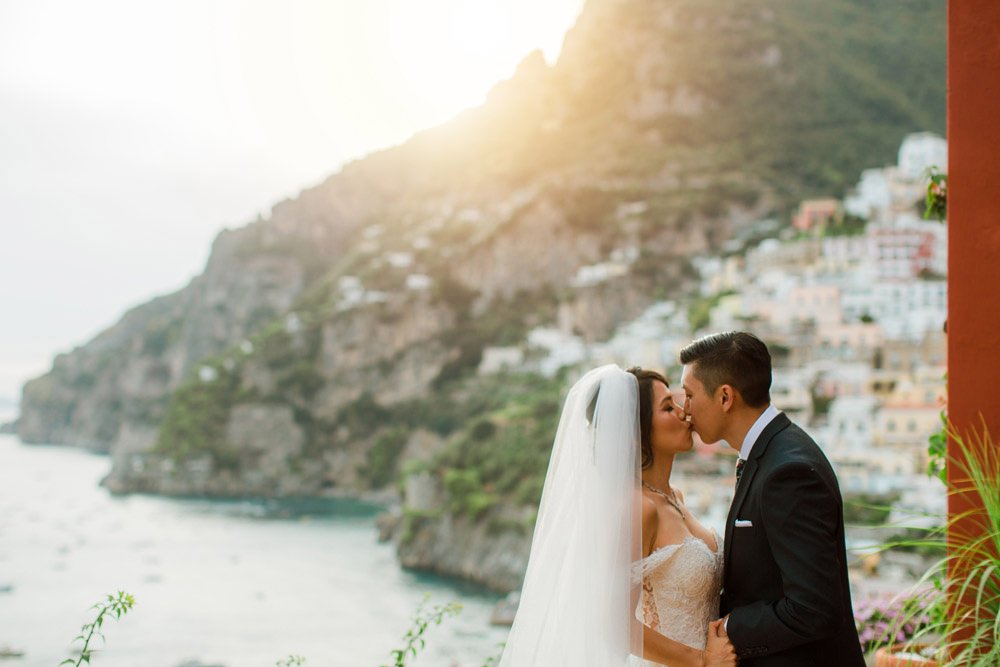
(704, 411)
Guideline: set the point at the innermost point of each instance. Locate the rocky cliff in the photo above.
(332, 347)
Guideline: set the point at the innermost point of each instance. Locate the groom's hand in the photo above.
(719, 651)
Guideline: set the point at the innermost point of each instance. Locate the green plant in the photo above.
(844, 225)
(936, 200)
(937, 451)
(876, 618)
(494, 660)
(414, 521)
(700, 310)
(413, 640)
(113, 605)
(868, 509)
(195, 420)
(961, 592)
(291, 661)
(383, 457)
(466, 494)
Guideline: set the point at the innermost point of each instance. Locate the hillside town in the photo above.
(851, 299)
(855, 303)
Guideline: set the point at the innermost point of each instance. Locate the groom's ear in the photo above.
(727, 395)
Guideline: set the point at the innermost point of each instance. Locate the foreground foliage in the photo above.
(960, 595)
(113, 605)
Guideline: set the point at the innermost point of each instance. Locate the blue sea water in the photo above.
(234, 583)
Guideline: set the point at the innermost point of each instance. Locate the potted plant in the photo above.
(877, 618)
(906, 655)
(960, 596)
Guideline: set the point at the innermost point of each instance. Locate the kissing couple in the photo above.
(622, 574)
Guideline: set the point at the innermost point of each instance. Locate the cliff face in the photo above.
(332, 347)
(111, 393)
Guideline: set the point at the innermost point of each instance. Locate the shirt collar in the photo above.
(758, 427)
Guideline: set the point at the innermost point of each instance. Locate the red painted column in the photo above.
(973, 233)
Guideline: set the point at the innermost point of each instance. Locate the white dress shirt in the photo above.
(758, 427)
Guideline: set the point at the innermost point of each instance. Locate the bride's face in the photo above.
(670, 431)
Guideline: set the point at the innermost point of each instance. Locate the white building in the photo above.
(872, 195)
(790, 393)
(497, 359)
(908, 247)
(850, 424)
(866, 462)
(881, 191)
(855, 341)
(556, 349)
(845, 253)
(835, 378)
(720, 274)
(921, 151)
(907, 310)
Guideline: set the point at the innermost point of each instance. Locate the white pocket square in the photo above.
(741, 523)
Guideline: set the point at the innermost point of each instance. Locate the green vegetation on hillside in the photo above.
(795, 96)
(196, 417)
(499, 449)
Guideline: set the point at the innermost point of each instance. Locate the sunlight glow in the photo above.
(381, 69)
(158, 123)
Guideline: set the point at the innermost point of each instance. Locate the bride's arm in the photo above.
(656, 647)
(662, 649)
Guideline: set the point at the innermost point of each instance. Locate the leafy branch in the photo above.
(114, 605)
(422, 620)
(937, 451)
(118, 605)
(936, 201)
(494, 660)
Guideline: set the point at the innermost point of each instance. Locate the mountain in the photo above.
(333, 346)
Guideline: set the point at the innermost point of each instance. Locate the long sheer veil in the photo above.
(578, 600)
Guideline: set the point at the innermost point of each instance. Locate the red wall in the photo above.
(973, 226)
(974, 213)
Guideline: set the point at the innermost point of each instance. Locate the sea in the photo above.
(241, 583)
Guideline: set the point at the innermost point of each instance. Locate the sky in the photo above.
(132, 132)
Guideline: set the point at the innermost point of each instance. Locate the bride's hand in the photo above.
(719, 651)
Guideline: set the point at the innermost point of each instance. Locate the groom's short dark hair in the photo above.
(736, 358)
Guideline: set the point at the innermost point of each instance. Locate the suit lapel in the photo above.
(777, 425)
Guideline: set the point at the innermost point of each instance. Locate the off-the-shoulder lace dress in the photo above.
(680, 591)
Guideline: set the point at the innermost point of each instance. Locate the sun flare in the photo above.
(454, 51)
(357, 76)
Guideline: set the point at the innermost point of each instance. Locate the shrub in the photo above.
(196, 417)
(383, 457)
(886, 620)
(868, 509)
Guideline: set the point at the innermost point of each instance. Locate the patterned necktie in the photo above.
(739, 470)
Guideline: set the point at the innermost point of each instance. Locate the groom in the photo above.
(785, 597)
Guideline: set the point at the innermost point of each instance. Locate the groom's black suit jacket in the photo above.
(785, 582)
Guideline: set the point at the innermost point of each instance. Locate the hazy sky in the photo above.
(131, 132)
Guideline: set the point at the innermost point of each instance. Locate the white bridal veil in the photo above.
(578, 601)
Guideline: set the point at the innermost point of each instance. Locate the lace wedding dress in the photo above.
(680, 591)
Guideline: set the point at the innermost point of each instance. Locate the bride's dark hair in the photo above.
(646, 379)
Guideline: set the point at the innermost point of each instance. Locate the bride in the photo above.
(619, 573)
